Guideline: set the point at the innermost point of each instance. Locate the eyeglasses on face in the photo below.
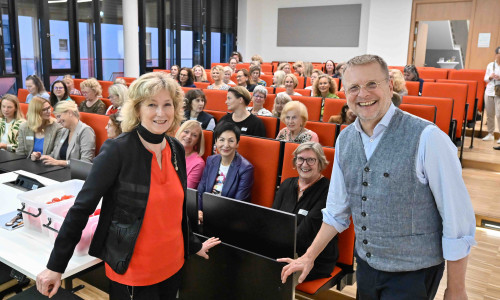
(370, 86)
(59, 88)
(310, 160)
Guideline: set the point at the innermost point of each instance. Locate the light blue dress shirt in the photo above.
(438, 166)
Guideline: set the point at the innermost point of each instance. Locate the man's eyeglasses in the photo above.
(370, 86)
(310, 160)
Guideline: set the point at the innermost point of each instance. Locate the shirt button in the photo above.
(365, 242)
(368, 254)
(363, 214)
(386, 174)
(367, 169)
(365, 183)
(363, 228)
(363, 198)
(371, 140)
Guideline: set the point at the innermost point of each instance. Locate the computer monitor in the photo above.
(265, 231)
(192, 208)
(79, 169)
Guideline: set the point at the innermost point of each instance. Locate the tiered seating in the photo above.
(444, 110)
(475, 75)
(433, 73)
(216, 113)
(216, 99)
(332, 107)
(24, 108)
(287, 169)
(208, 135)
(272, 125)
(313, 105)
(202, 85)
(98, 123)
(426, 112)
(471, 96)
(413, 87)
(22, 94)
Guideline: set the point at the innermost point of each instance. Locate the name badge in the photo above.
(303, 212)
(243, 129)
(30, 138)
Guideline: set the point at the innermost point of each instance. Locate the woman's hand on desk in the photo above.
(211, 242)
(35, 156)
(49, 161)
(48, 282)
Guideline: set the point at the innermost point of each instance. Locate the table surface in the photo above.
(34, 167)
(6, 156)
(20, 249)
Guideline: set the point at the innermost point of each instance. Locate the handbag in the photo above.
(497, 84)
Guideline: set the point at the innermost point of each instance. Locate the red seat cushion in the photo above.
(311, 287)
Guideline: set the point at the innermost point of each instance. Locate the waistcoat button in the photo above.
(365, 242)
(365, 183)
(363, 228)
(363, 214)
(386, 174)
(367, 169)
(363, 198)
(368, 254)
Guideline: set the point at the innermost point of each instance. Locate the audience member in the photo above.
(258, 100)
(92, 90)
(491, 96)
(199, 74)
(37, 135)
(294, 116)
(237, 101)
(191, 137)
(279, 102)
(11, 118)
(228, 173)
(305, 196)
(411, 74)
(339, 69)
(298, 67)
(308, 69)
(238, 56)
(258, 58)
(75, 140)
(35, 87)
(186, 78)
(58, 92)
(346, 116)
(70, 83)
(113, 128)
(291, 82)
(243, 78)
(325, 87)
(285, 67)
(314, 75)
(120, 80)
(398, 82)
(255, 76)
(279, 79)
(174, 72)
(217, 73)
(330, 67)
(232, 64)
(228, 72)
(195, 103)
(396, 99)
(117, 96)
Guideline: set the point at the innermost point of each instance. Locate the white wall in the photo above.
(384, 30)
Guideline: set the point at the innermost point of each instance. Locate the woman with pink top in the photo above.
(191, 137)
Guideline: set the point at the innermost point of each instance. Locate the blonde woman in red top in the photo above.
(143, 234)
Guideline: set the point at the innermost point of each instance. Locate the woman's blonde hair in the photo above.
(308, 69)
(120, 91)
(221, 71)
(280, 78)
(18, 115)
(203, 74)
(398, 80)
(143, 89)
(64, 106)
(317, 149)
(92, 84)
(298, 106)
(331, 90)
(294, 79)
(298, 64)
(34, 115)
(280, 97)
(282, 65)
(258, 58)
(200, 145)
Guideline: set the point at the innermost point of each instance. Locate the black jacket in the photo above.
(203, 117)
(121, 175)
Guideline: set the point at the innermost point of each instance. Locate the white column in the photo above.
(131, 38)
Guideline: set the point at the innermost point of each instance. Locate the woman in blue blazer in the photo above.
(227, 174)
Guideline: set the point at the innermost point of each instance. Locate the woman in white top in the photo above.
(492, 102)
(217, 75)
(258, 100)
(228, 72)
(291, 83)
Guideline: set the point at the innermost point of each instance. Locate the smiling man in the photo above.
(399, 178)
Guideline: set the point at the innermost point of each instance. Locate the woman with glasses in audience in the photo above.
(70, 83)
(195, 104)
(186, 78)
(305, 196)
(242, 76)
(285, 67)
(411, 74)
(37, 135)
(75, 140)
(190, 135)
(255, 76)
(228, 72)
(330, 68)
(294, 116)
(279, 102)
(113, 128)
(278, 79)
(398, 82)
(291, 83)
(35, 87)
(258, 100)
(11, 118)
(117, 96)
(228, 173)
(217, 73)
(237, 101)
(92, 90)
(199, 74)
(59, 92)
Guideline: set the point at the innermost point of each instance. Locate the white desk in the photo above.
(22, 251)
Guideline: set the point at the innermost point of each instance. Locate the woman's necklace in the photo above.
(292, 138)
(308, 185)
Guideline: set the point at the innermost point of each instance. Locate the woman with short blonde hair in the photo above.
(258, 58)
(291, 83)
(190, 135)
(279, 79)
(279, 102)
(228, 72)
(92, 91)
(285, 67)
(117, 96)
(398, 82)
(11, 118)
(217, 73)
(295, 116)
(70, 83)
